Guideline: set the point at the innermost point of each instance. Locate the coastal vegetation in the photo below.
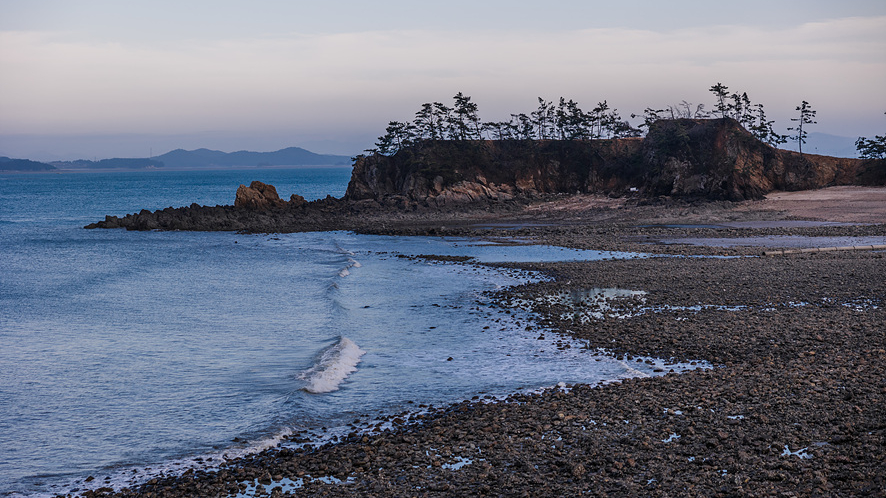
(566, 120)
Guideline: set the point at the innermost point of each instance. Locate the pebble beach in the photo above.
(792, 406)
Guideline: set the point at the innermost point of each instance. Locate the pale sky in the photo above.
(118, 78)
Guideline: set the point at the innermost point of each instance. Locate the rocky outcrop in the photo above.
(258, 196)
(718, 159)
(256, 208)
(709, 159)
(685, 159)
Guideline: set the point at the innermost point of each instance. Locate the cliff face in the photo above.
(718, 159)
(713, 159)
(445, 173)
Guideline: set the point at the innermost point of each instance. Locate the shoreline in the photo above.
(794, 407)
(709, 432)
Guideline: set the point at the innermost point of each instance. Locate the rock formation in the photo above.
(258, 196)
(709, 159)
(718, 159)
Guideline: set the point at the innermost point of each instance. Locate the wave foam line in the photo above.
(333, 366)
(352, 263)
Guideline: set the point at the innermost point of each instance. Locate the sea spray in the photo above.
(333, 366)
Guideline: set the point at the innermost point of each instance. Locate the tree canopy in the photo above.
(566, 120)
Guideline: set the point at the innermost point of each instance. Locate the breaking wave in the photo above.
(334, 364)
(352, 263)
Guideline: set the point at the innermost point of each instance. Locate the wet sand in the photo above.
(793, 407)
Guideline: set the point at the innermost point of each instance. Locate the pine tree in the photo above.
(542, 119)
(522, 125)
(466, 123)
(650, 116)
(426, 122)
(806, 115)
(720, 91)
(761, 128)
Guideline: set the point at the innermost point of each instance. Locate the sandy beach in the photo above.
(792, 407)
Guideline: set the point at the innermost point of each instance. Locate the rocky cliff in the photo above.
(712, 159)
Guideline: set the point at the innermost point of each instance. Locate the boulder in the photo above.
(258, 196)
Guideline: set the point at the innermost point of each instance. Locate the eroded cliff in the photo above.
(711, 159)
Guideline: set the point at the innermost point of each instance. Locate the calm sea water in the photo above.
(123, 351)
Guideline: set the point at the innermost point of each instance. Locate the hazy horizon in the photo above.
(816, 143)
(103, 79)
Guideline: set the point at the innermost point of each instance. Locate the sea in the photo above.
(126, 355)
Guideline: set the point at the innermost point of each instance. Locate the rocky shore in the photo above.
(793, 407)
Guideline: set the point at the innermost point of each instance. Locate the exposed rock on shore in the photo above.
(257, 213)
(258, 196)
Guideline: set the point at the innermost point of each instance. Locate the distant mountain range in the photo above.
(817, 143)
(187, 159)
(205, 158)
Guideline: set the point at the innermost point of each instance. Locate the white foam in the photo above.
(352, 263)
(333, 366)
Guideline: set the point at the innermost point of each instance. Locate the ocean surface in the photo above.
(126, 354)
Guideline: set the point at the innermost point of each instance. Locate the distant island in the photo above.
(181, 159)
(290, 156)
(9, 164)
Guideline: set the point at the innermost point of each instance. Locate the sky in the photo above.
(123, 78)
